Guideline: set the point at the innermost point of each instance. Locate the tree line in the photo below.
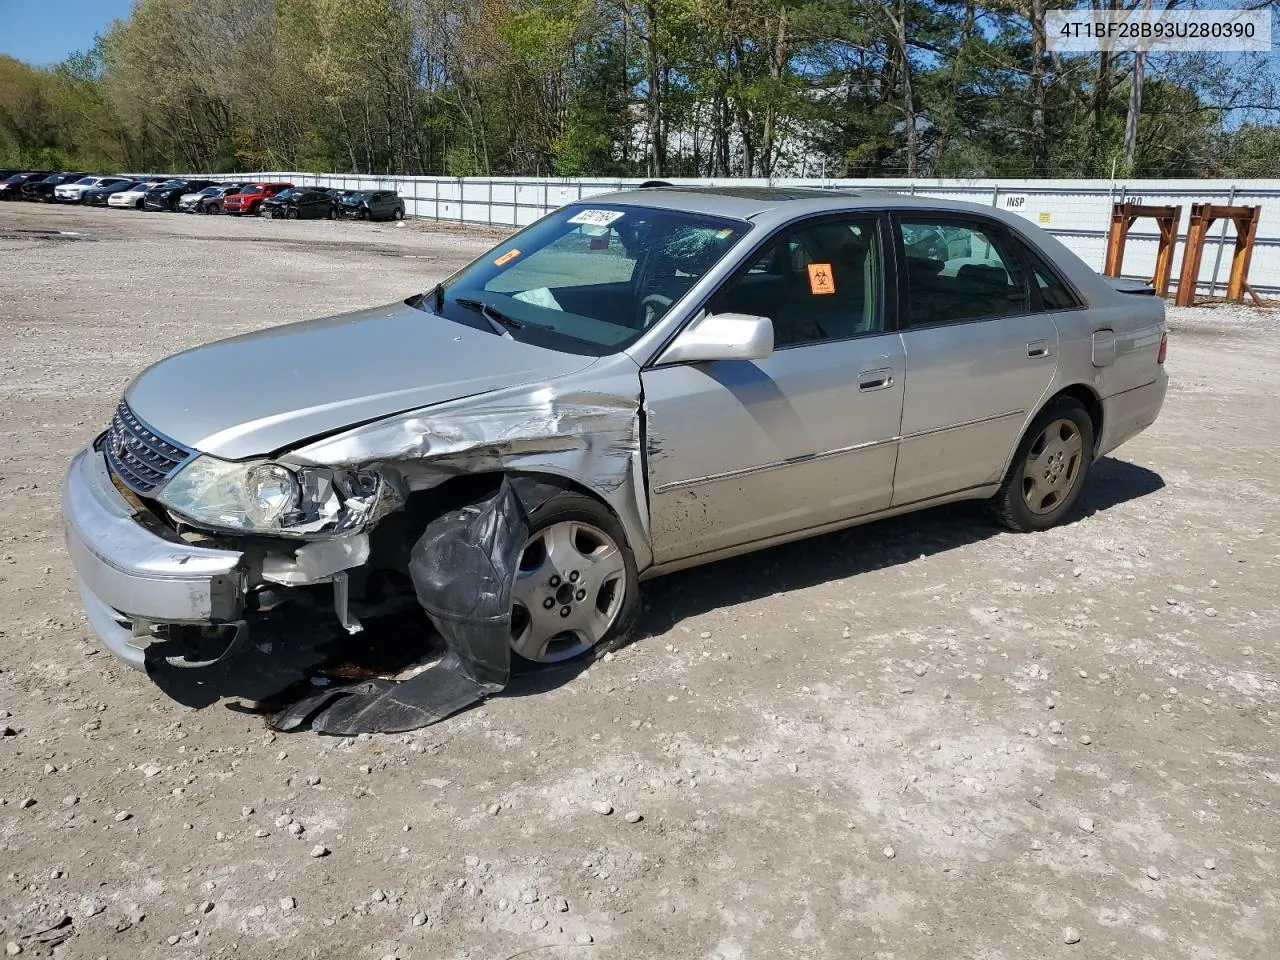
(837, 88)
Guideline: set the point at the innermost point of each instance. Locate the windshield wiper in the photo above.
(500, 321)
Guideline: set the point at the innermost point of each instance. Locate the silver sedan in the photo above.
(686, 374)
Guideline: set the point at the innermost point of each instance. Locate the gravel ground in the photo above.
(922, 738)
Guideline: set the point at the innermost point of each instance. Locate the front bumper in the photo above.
(130, 578)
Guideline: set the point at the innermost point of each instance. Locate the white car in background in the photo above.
(131, 198)
(71, 192)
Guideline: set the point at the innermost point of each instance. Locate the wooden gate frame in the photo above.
(1203, 216)
(1123, 216)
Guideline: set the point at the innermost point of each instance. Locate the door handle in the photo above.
(880, 379)
(1037, 349)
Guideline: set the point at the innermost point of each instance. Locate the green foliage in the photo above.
(858, 88)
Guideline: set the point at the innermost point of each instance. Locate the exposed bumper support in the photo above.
(131, 578)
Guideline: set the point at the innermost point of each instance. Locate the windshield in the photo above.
(87, 181)
(588, 278)
(285, 194)
(170, 184)
(210, 191)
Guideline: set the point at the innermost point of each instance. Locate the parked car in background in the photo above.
(798, 374)
(99, 196)
(11, 186)
(135, 195)
(74, 192)
(300, 203)
(209, 200)
(193, 201)
(373, 205)
(42, 190)
(165, 196)
(251, 196)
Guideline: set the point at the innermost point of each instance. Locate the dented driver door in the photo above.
(744, 451)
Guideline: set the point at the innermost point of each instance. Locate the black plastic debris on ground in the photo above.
(463, 568)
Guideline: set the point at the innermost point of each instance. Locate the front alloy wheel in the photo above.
(570, 591)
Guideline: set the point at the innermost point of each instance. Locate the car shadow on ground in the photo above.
(281, 668)
(848, 553)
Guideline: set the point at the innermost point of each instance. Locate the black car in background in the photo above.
(300, 203)
(97, 197)
(373, 205)
(42, 190)
(11, 186)
(165, 196)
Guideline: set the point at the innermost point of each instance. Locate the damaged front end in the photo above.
(427, 509)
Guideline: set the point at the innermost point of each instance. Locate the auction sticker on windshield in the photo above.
(596, 218)
(506, 258)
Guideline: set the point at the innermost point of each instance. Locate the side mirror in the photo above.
(722, 336)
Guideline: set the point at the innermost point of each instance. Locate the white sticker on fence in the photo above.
(1014, 202)
(596, 218)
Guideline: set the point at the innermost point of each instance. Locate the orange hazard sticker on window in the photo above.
(507, 257)
(820, 279)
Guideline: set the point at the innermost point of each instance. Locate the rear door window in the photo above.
(959, 270)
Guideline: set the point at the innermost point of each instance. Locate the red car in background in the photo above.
(250, 198)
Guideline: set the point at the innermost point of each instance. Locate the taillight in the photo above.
(1164, 348)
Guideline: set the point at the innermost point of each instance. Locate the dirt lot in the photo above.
(920, 739)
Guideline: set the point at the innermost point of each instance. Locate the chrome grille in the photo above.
(138, 455)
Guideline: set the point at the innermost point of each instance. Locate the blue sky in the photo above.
(45, 32)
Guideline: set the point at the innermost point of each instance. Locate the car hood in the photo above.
(267, 391)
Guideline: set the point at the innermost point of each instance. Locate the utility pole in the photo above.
(1135, 99)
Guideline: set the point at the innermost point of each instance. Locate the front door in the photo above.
(979, 357)
(744, 451)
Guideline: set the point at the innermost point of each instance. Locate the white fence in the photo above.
(1077, 212)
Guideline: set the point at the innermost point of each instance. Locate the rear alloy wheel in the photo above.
(291, 214)
(576, 585)
(1048, 473)
(399, 214)
(364, 214)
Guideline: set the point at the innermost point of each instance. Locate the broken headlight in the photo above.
(265, 497)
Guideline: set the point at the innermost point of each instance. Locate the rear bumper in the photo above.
(1127, 414)
(130, 578)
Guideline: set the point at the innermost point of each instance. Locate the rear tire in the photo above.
(1049, 470)
(291, 214)
(399, 214)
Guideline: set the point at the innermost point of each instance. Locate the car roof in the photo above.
(774, 206)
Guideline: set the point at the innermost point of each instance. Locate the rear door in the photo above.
(980, 353)
(743, 451)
